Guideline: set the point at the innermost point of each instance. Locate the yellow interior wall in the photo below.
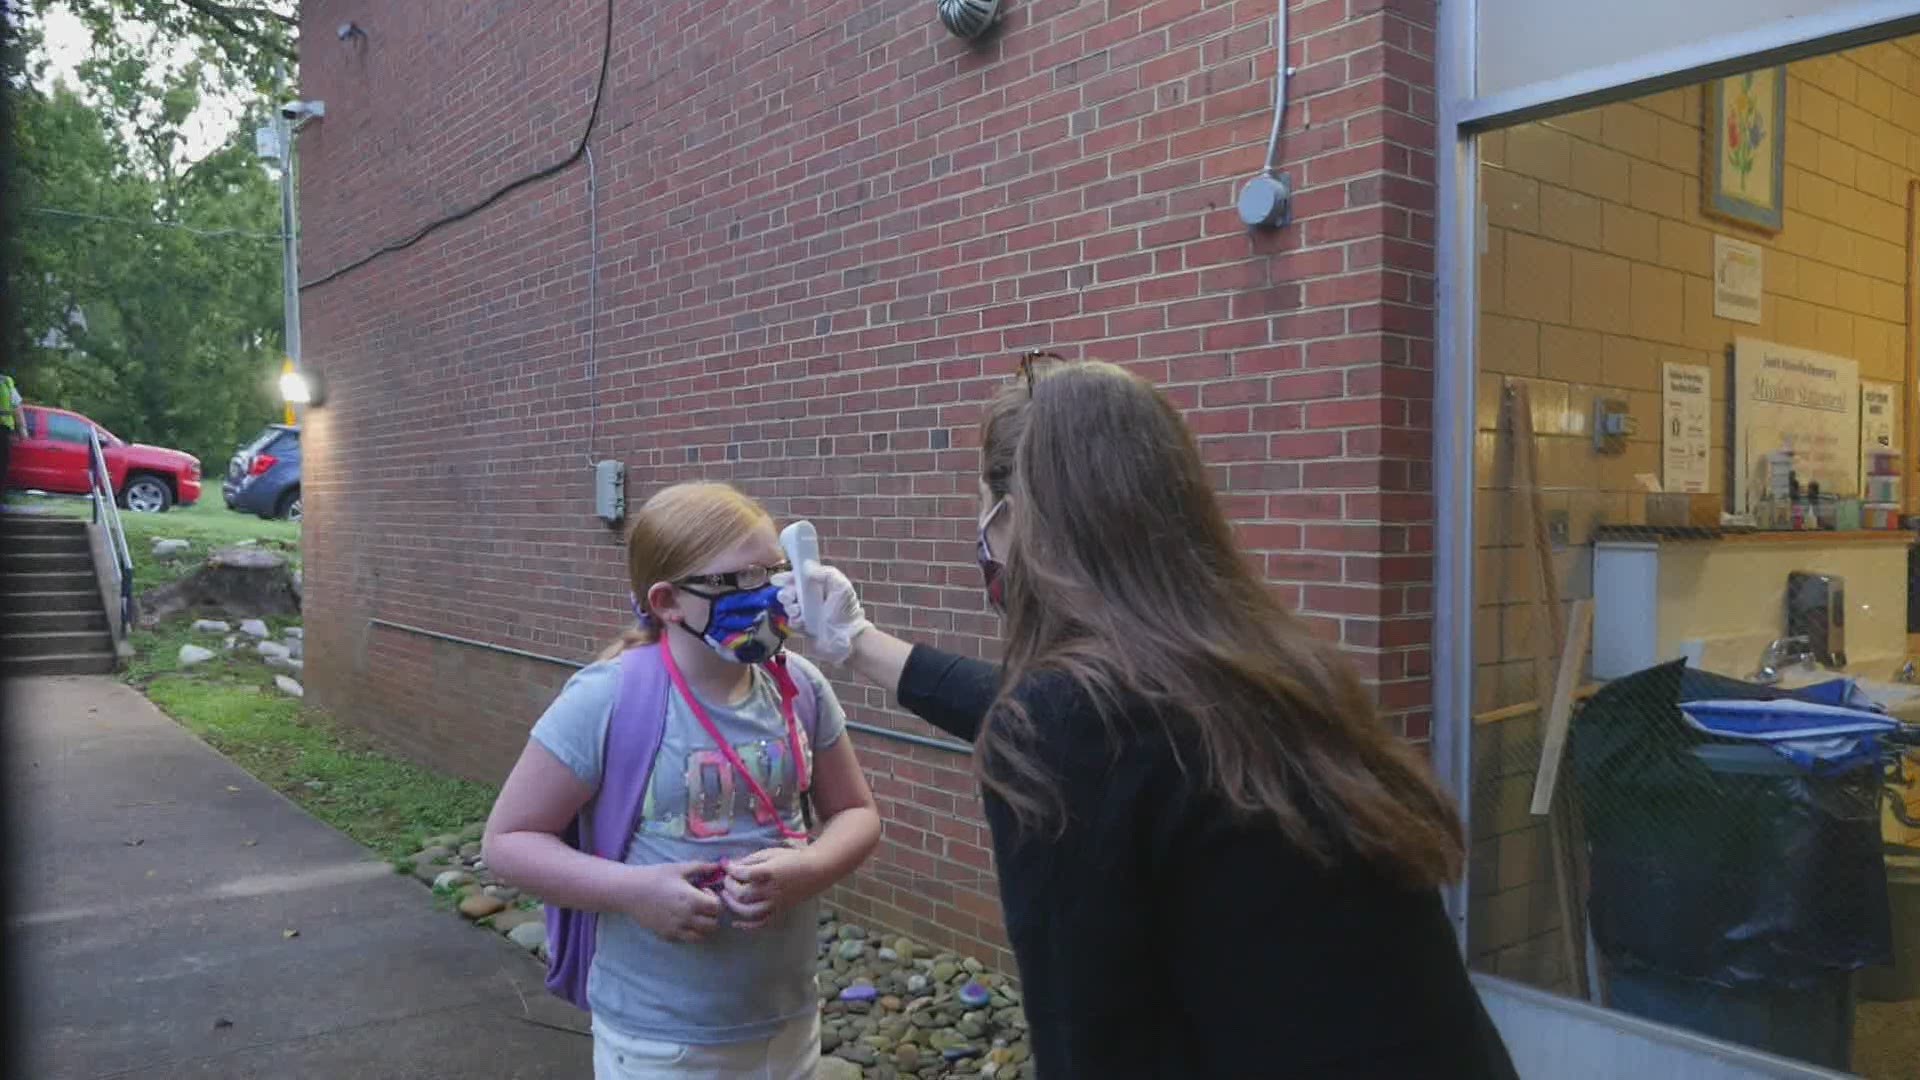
(1598, 269)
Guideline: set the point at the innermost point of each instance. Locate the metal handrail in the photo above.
(107, 512)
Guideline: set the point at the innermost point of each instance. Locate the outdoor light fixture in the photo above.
(968, 19)
(301, 388)
(303, 110)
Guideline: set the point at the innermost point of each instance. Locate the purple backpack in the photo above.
(605, 826)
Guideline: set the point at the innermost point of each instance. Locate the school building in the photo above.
(795, 248)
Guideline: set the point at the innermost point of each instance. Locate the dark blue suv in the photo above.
(264, 477)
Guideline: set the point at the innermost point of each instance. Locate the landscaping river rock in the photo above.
(891, 1008)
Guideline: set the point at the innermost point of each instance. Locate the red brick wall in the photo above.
(826, 232)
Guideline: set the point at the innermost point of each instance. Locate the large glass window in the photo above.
(1693, 335)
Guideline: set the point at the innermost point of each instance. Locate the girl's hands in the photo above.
(840, 615)
(769, 882)
(665, 900)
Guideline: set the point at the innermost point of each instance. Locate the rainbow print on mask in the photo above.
(748, 626)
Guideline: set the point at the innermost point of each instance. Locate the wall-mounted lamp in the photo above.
(302, 388)
(302, 111)
(968, 19)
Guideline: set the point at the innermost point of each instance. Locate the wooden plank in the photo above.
(1525, 450)
(1569, 882)
(1528, 708)
(1553, 736)
(1551, 643)
(1682, 534)
(1910, 387)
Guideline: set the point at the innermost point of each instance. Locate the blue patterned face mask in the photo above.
(746, 626)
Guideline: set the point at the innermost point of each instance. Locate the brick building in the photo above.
(825, 234)
(795, 248)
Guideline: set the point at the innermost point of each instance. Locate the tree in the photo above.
(162, 333)
(251, 42)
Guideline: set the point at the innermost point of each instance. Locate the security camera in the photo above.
(303, 110)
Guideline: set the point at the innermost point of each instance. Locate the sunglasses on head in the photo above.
(1030, 369)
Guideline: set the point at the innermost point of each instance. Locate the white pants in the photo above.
(792, 1053)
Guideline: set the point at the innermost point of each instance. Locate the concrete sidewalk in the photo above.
(155, 884)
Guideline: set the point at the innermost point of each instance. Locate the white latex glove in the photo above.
(837, 607)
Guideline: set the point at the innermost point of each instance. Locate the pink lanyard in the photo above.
(777, 669)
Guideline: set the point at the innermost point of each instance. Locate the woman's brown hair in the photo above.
(677, 530)
(1123, 574)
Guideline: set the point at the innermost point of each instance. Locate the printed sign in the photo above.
(1879, 421)
(1686, 434)
(1736, 279)
(1799, 400)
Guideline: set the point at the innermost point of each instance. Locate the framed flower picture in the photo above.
(1746, 131)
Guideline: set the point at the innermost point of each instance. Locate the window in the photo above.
(62, 428)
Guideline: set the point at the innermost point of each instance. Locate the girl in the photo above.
(706, 938)
(1214, 860)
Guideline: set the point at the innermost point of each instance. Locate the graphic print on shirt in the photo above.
(705, 799)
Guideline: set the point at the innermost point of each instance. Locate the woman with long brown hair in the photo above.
(1214, 859)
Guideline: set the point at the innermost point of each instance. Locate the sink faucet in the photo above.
(1781, 653)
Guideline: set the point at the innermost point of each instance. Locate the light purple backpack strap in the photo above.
(634, 732)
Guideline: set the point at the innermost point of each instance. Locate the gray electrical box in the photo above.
(610, 491)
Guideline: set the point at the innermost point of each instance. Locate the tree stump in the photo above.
(246, 582)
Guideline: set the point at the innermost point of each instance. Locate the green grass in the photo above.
(206, 525)
(389, 805)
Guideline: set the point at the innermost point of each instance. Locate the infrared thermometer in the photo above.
(801, 542)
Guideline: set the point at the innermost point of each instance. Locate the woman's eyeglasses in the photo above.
(1030, 361)
(745, 579)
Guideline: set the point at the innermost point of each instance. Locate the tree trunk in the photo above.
(244, 582)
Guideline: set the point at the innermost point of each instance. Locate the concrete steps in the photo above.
(52, 621)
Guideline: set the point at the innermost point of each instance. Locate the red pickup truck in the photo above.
(52, 455)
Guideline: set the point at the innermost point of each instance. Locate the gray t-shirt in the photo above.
(737, 986)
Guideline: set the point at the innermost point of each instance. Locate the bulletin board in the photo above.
(1806, 401)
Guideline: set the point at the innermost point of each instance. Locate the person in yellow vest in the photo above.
(13, 420)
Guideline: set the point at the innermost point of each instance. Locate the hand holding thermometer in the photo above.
(801, 542)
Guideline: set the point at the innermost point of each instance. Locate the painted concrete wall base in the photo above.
(1558, 1037)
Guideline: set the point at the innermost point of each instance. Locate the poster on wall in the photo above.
(1798, 400)
(1879, 421)
(1686, 434)
(1736, 280)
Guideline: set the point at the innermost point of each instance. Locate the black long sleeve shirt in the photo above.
(1160, 937)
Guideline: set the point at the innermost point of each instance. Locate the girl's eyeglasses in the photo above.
(744, 579)
(1029, 362)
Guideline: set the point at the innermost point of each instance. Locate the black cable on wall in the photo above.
(579, 149)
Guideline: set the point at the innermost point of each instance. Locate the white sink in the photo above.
(1901, 700)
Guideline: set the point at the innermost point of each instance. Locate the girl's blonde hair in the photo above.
(678, 529)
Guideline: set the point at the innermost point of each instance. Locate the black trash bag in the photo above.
(1737, 871)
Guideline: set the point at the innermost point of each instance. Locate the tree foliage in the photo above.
(248, 43)
(164, 334)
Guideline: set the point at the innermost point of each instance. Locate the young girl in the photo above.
(706, 938)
